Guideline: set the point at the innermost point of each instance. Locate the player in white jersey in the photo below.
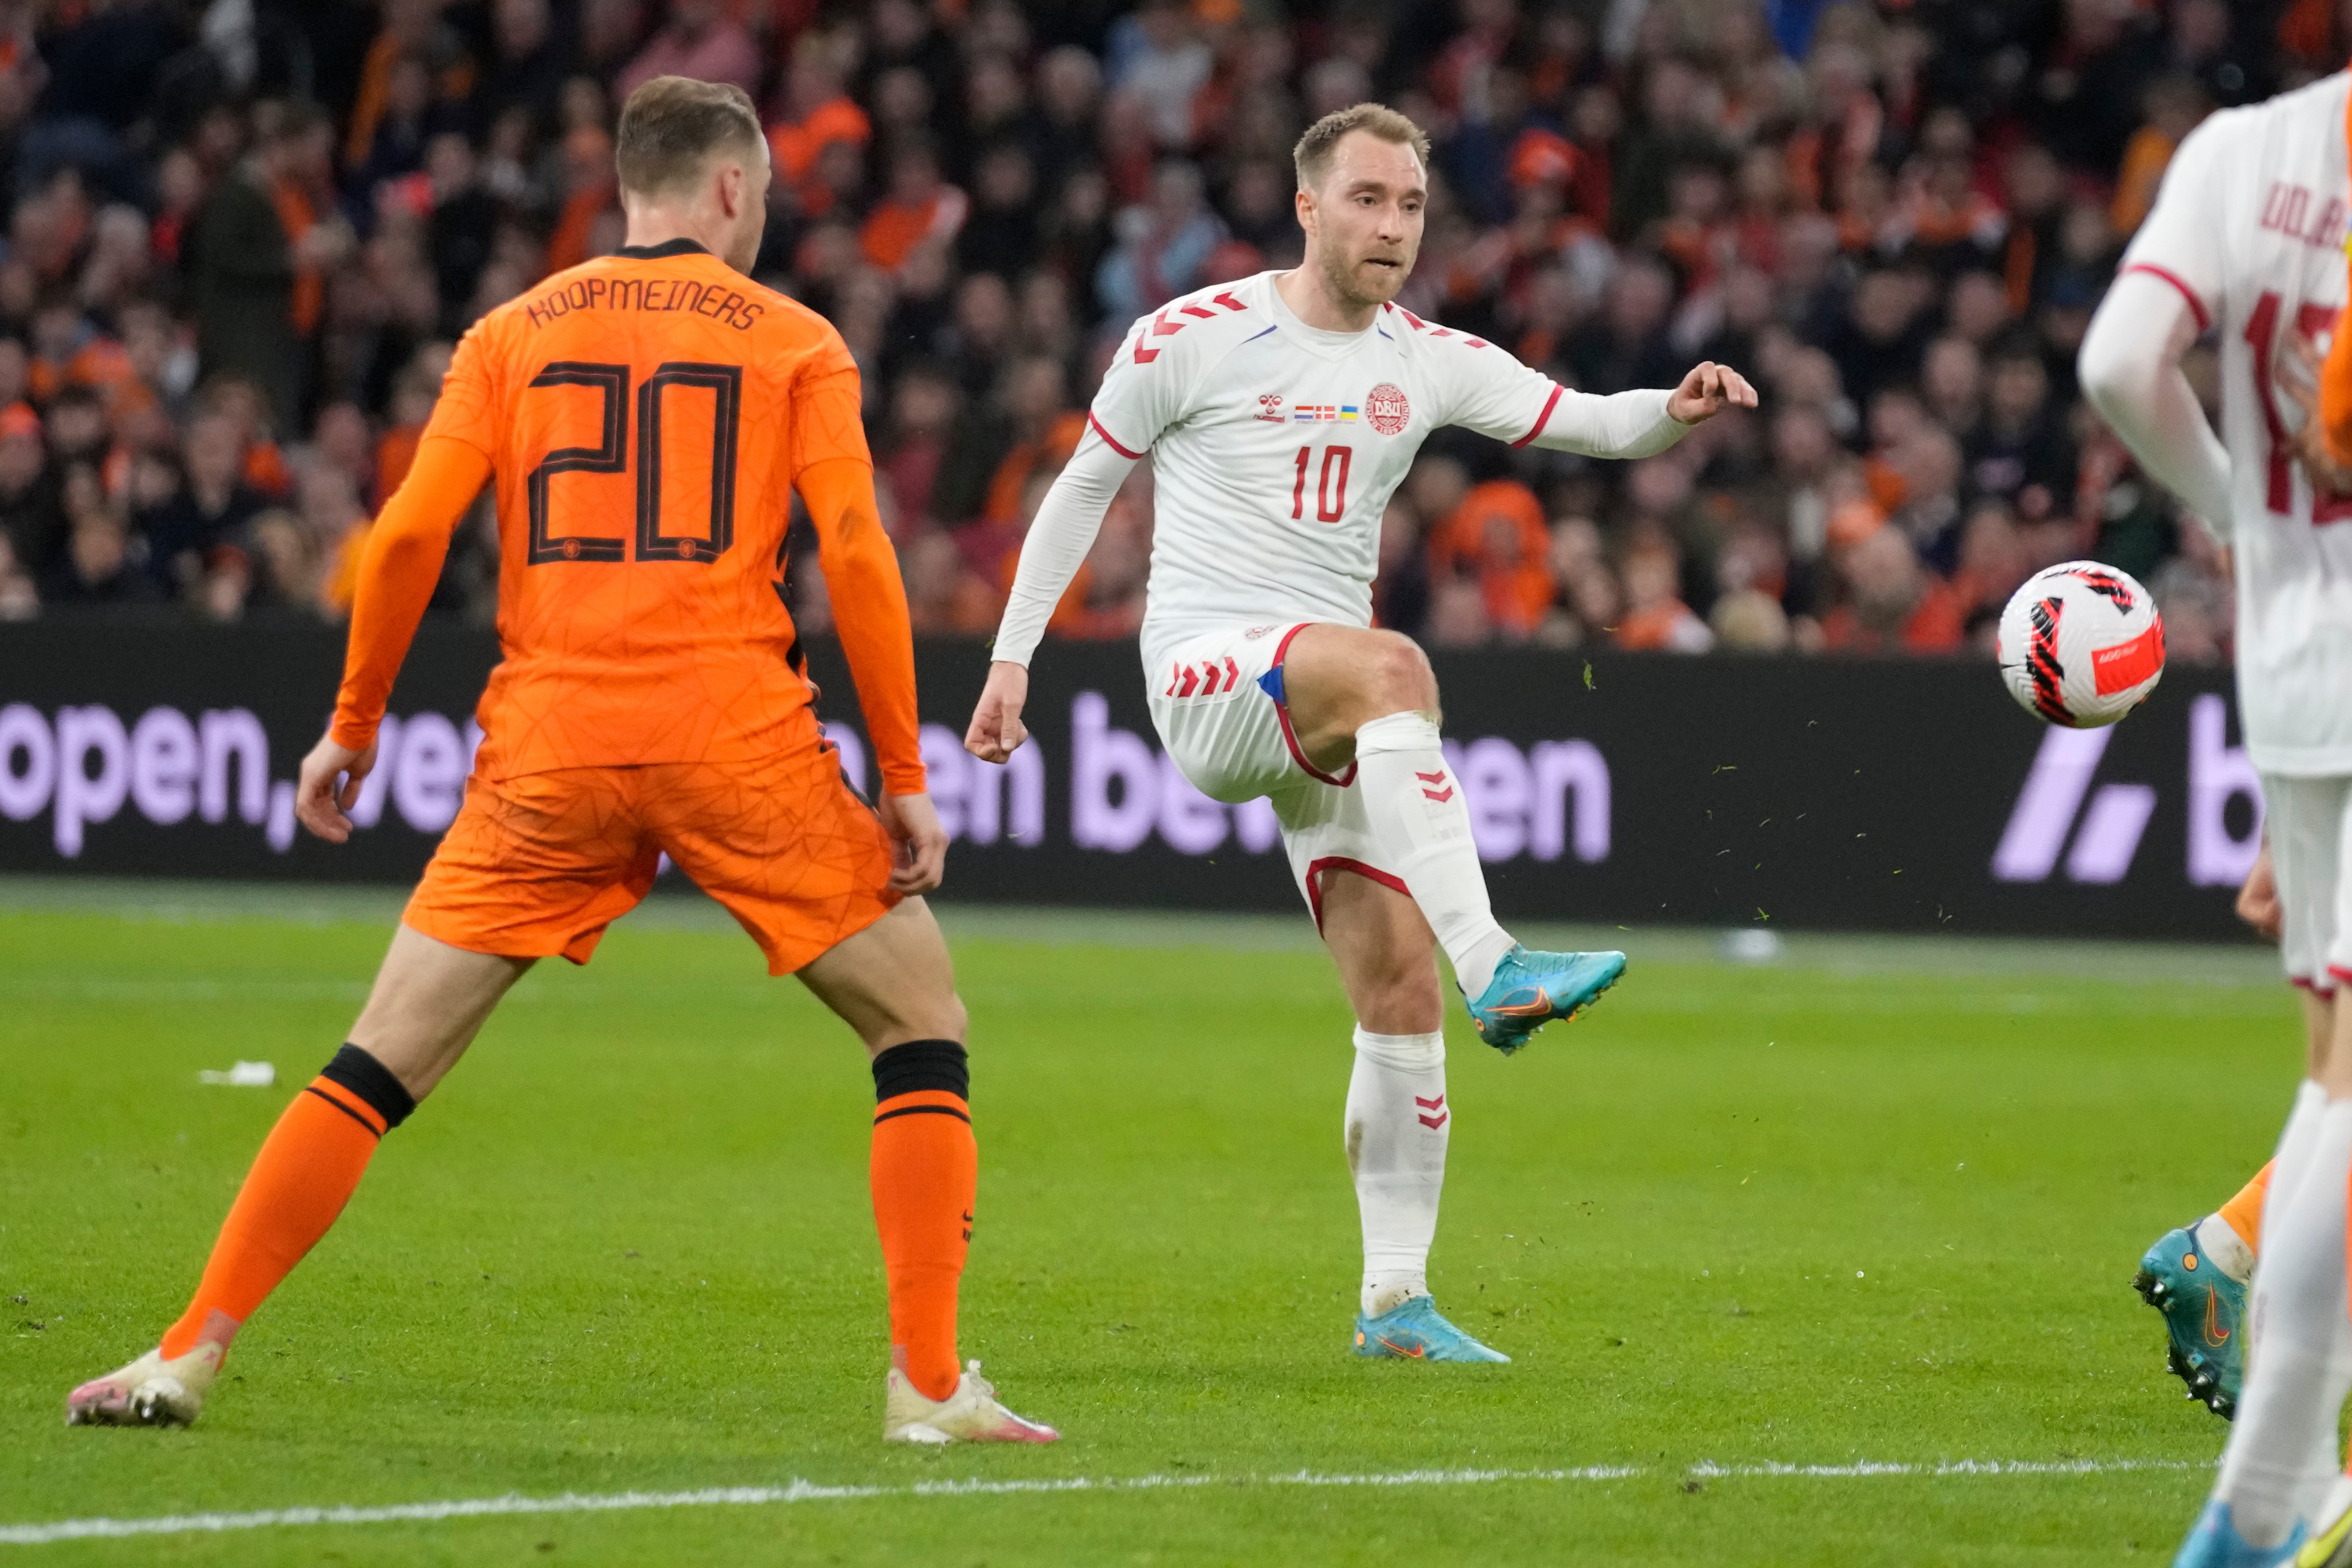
(1281, 413)
(2245, 240)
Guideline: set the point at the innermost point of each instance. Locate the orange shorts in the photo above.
(539, 864)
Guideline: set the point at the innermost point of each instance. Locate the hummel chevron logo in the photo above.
(1437, 778)
(1427, 1106)
(1207, 681)
(1162, 327)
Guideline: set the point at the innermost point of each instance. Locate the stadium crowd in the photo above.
(242, 236)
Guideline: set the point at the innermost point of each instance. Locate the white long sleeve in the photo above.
(1059, 538)
(1625, 424)
(2130, 370)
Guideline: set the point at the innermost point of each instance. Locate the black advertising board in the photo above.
(1897, 795)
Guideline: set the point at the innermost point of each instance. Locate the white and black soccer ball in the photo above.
(2081, 645)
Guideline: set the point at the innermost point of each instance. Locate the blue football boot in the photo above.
(2205, 1315)
(2214, 1543)
(1529, 990)
(1414, 1332)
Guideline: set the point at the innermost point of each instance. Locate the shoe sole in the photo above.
(2203, 1386)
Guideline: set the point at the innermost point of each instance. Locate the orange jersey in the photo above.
(645, 417)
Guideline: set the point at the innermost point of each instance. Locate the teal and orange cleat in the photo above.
(2204, 1316)
(1414, 1332)
(2214, 1543)
(1529, 990)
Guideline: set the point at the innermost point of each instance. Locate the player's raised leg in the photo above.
(1369, 696)
(429, 1001)
(1398, 1118)
(894, 983)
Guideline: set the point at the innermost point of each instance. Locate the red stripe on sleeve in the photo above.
(2196, 306)
(1549, 404)
(1115, 446)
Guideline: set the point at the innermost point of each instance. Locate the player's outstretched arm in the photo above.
(1707, 390)
(1056, 546)
(405, 552)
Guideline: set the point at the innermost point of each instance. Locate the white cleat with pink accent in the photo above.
(150, 1391)
(970, 1414)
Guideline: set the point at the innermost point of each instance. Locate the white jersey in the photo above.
(2250, 225)
(1275, 447)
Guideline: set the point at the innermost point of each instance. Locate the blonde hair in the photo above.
(1312, 154)
(671, 124)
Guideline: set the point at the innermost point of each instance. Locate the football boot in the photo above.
(969, 1414)
(2204, 1316)
(1414, 1332)
(2214, 1543)
(150, 1391)
(1529, 990)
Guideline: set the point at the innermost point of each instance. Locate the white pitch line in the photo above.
(812, 1492)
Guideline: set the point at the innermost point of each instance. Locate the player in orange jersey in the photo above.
(644, 417)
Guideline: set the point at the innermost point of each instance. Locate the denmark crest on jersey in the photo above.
(1386, 410)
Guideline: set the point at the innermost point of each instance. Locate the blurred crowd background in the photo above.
(242, 238)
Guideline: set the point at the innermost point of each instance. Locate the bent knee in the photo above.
(1399, 673)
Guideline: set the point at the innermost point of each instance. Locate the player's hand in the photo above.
(1706, 392)
(913, 825)
(2298, 377)
(330, 786)
(997, 731)
(2258, 901)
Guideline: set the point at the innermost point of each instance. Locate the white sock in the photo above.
(2282, 1455)
(1398, 1122)
(2288, 1166)
(1421, 824)
(2219, 1244)
(2292, 1156)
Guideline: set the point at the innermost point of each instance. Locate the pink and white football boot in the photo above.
(970, 1414)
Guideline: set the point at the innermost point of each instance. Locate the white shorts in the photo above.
(2310, 843)
(1231, 737)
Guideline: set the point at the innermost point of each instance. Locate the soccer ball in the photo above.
(2081, 645)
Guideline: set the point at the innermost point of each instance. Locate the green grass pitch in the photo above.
(1878, 1203)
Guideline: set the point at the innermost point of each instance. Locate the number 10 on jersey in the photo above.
(1331, 485)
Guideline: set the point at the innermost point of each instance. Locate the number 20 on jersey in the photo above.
(611, 455)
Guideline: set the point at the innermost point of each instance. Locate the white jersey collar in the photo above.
(1324, 344)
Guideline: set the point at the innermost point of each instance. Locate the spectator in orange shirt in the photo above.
(1655, 617)
(1893, 605)
(819, 113)
(1497, 537)
(920, 207)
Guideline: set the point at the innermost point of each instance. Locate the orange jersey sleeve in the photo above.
(399, 566)
(648, 416)
(834, 475)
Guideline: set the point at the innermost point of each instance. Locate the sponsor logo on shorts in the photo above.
(1386, 409)
(1255, 632)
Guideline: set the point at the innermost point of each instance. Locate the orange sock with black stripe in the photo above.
(2243, 1213)
(299, 1182)
(926, 1176)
